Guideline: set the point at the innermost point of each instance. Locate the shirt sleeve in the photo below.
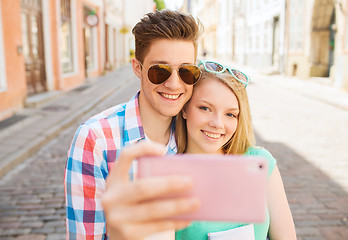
(262, 152)
(84, 182)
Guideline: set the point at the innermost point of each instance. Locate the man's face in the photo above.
(168, 98)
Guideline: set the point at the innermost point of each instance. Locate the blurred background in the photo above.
(62, 61)
(48, 46)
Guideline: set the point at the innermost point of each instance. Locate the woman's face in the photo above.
(211, 116)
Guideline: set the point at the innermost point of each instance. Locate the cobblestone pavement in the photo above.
(308, 138)
(32, 195)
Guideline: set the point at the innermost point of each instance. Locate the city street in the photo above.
(307, 135)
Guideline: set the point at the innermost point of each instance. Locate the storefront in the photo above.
(48, 46)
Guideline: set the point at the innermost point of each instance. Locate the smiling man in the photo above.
(165, 56)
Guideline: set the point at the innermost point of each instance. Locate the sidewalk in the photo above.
(316, 88)
(27, 131)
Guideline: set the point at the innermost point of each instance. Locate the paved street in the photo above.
(32, 195)
(308, 137)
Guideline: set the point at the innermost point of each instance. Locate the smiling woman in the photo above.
(217, 120)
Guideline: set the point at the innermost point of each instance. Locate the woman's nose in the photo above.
(216, 122)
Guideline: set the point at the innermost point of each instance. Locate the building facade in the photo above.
(318, 40)
(300, 38)
(250, 32)
(264, 39)
(209, 18)
(215, 15)
(48, 46)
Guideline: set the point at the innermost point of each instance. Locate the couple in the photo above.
(181, 107)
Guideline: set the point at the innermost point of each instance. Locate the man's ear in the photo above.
(136, 67)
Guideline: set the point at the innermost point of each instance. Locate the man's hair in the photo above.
(243, 137)
(165, 24)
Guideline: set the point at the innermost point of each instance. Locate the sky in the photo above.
(173, 4)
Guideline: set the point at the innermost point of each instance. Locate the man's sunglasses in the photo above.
(215, 67)
(159, 73)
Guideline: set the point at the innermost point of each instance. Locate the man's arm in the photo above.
(130, 211)
(84, 186)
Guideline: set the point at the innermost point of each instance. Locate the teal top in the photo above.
(199, 230)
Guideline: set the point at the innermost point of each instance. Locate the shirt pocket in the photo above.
(240, 233)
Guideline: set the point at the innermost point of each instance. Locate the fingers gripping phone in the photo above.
(230, 187)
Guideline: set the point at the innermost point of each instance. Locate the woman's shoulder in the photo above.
(264, 153)
(258, 151)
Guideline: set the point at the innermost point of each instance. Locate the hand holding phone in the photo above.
(230, 188)
(128, 212)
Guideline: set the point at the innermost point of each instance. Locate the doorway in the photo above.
(275, 45)
(332, 38)
(33, 46)
(322, 38)
(90, 43)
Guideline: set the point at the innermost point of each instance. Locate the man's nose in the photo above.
(174, 81)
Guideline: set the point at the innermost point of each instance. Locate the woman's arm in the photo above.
(281, 222)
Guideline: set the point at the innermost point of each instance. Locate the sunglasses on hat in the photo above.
(159, 73)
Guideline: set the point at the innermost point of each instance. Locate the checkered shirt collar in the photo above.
(134, 127)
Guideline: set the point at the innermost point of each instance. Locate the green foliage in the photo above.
(160, 4)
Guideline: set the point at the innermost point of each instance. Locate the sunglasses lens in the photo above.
(159, 73)
(215, 67)
(241, 76)
(190, 74)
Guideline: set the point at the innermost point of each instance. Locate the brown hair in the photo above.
(164, 24)
(243, 138)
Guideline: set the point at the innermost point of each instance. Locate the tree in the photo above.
(160, 4)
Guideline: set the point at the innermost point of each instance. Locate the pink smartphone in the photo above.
(230, 188)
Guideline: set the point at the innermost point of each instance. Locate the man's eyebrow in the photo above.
(165, 62)
(158, 61)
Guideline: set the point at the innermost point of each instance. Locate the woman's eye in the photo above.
(204, 108)
(231, 115)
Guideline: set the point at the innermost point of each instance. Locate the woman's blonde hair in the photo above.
(243, 138)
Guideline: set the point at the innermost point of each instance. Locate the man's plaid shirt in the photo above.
(94, 149)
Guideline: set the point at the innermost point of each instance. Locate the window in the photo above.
(91, 41)
(265, 36)
(346, 44)
(296, 26)
(3, 84)
(66, 49)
